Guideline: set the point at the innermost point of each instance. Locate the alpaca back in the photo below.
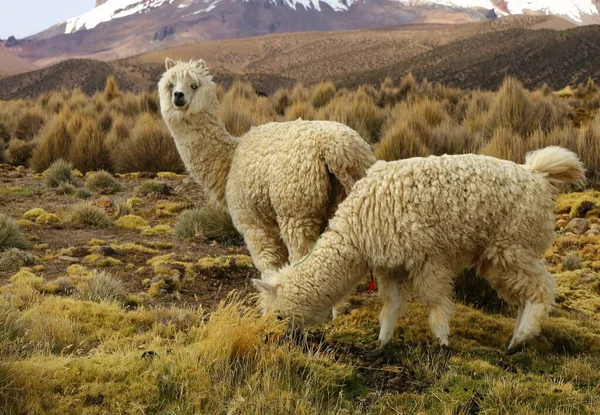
(450, 207)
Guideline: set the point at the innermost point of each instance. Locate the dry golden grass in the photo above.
(124, 131)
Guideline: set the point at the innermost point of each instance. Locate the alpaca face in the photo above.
(186, 87)
(285, 301)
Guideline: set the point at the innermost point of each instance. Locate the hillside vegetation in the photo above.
(123, 291)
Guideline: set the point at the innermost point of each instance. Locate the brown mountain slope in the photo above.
(470, 55)
(11, 64)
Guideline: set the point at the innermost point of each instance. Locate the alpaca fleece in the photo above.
(418, 222)
(280, 181)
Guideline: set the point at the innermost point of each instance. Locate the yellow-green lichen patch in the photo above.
(15, 191)
(169, 175)
(25, 223)
(579, 204)
(48, 218)
(166, 209)
(132, 222)
(225, 261)
(158, 230)
(133, 248)
(33, 214)
(134, 202)
(96, 242)
(166, 265)
(101, 261)
(578, 291)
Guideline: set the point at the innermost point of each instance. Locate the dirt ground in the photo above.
(56, 246)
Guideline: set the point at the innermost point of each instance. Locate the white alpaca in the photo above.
(277, 181)
(418, 222)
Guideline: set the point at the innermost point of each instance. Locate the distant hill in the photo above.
(11, 64)
(535, 49)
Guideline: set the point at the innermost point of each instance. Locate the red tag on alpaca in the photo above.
(372, 285)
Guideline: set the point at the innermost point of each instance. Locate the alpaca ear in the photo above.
(264, 286)
(200, 64)
(169, 63)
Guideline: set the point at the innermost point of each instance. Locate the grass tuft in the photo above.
(103, 182)
(59, 172)
(210, 223)
(85, 214)
(10, 234)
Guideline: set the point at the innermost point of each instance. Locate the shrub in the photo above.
(400, 141)
(505, 144)
(149, 102)
(300, 93)
(29, 124)
(103, 287)
(54, 143)
(572, 261)
(408, 85)
(322, 94)
(300, 109)
(153, 188)
(10, 234)
(13, 259)
(104, 122)
(281, 100)
(60, 172)
(240, 90)
(588, 147)
(150, 148)
(236, 117)
(88, 215)
(103, 182)
(89, 151)
(209, 222)
(83, 193)
(512, 108)
(111, 90)
(5, 131)
(357, 110)
(19, 152)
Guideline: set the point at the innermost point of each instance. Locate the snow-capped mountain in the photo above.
(122, 28)
(574, 10)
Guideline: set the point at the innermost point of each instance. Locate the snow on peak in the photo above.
(575, 10)
(111, 9)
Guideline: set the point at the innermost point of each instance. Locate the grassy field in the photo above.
(122, 291)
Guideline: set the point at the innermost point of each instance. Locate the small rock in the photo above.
(103, 202)
(578, 226)
(595, 226)
(107, 250)
(593, 232)
(94, 400)
(69, 259)
(561, 223)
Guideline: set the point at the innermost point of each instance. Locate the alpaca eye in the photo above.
(194, 87)
(171, 86)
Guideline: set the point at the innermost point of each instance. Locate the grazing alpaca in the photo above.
(278, 181)
(418, 222)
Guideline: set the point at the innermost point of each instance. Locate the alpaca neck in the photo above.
(329, 273)
(206, 149)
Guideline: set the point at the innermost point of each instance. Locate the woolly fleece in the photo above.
(277, 181)
(418, 222)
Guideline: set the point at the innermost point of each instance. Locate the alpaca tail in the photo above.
(557, 164)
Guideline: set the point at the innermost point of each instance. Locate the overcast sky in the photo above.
(22, 18)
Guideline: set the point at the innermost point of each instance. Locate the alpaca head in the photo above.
(281, 297)
(186, 88)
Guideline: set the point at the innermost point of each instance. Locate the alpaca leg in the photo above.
(435, 287)
(394, 290)
(300, 235)
(265, 245)
(526, 282)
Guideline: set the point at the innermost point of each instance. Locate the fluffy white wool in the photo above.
(418, 222)
(278, 181)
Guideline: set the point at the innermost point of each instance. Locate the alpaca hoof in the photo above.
(445, 350)
(515, 349)
(375, 354)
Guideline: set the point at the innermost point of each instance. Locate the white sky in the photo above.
(22, 18)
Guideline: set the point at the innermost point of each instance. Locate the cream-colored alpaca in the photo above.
(277, 181)
(418, 222)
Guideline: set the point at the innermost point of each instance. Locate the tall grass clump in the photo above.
(103, 182)
(153, 188)
(111, 90)
(400, 141)
(150, 149)
(505, 144)
(236, 116)
(85, 214)
(209, 222)
(300, 110)
(358, 110)
(59, 172)
(54, 142)
(102, 287)
(29, 124)
(322, 93)
(18, 152)
(10, 234)
(89, 151)
(588, 148)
